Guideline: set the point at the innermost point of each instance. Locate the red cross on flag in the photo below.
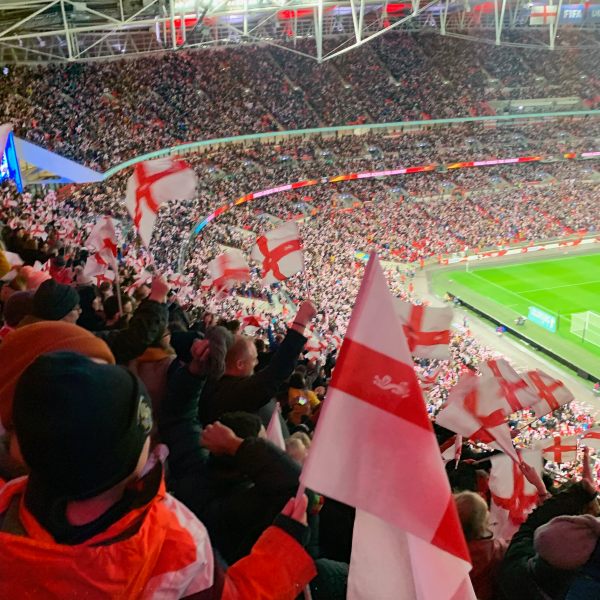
(226, 269)
(513, 388)
(97, 268)
(475, 413)
(103, 239)
(591, 438)
(551, 393)
(513, 497)
(427, 329)
(153, 183)
(542, 14)
(559, 449)
(374, 435)
(38, 231)
(280, 253)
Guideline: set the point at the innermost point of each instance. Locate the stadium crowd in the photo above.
(171, 354)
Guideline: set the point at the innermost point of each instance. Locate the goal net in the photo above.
(586, 325)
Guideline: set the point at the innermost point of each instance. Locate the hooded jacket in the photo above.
(159, 550)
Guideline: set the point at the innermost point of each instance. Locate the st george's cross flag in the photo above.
(374, 449)
(476, 410)
(153, 183)
(551, 393)
(512, 496)
(591, 438)
(227, 269)
(103, 239)
(280, 253)
(427, 329)
(559, 449)
(512, 386)
(97, 268)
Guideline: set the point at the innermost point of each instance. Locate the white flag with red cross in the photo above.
(591, 438)
(514, 388)
(559, 449)
(551, 393)
(37, 230)
(512, 496)
(103, 239)
(427, 329)
(477, 413)
(280, 253)
(97, 268)
(227, 269)
(374, 435)
(153, 183)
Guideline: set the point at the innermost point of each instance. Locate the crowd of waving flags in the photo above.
(374, 446)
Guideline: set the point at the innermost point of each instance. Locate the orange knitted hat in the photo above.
(22, 346)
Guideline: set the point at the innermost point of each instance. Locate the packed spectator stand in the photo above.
(183, 342)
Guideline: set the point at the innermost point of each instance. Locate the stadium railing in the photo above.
(343, 130)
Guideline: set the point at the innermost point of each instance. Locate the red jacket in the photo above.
(160, 550)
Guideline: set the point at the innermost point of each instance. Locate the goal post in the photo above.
(586, 326)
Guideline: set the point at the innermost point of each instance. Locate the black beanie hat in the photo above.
(81, 426)
(53, 301)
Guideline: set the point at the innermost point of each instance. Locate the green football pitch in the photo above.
(561, 287)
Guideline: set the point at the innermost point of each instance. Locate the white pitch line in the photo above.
(516, 294)
(556, 287)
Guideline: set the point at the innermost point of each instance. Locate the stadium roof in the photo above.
(39, 31)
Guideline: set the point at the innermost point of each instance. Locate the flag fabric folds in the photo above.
(153, 183)
(374, 449)
(513, 497)
(280, 253)
(427, 329)
(226, 269)
(551, 393)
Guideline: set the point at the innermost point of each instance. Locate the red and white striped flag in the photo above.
(551, 393)
(513, 497)
(374, 434)
(559, 449)
(274, 431)
(427, 329)
(477, 413)
(280, 253)
(153, 183)
(512, 387)
(591, 438)
(103, 239)
(226, 269)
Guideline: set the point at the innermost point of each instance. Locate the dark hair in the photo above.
(243, 424)
(260, 345)
(297, 381)
(111, 307)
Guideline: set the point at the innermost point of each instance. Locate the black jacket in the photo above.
(147, 323)
(249, 394)
(525, 576)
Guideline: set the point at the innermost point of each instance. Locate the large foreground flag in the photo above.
(153, 183)
(374, 449)
(427, 329)
(280, 253)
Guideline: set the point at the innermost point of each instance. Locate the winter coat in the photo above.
(524, 575)
(158, 550)
(250, 393)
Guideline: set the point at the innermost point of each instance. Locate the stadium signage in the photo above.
(542, 318)
(572, 13)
